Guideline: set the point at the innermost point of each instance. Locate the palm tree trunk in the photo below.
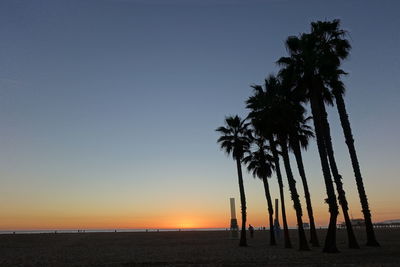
(337, 178)
(272, 240)
(344, 119)
(300, 166)
(330, 240)
(243, 240)
(303, 244)
(287, 242)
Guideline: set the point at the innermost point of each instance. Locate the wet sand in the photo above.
(187, 248)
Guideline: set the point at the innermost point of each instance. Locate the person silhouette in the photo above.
(251, 230)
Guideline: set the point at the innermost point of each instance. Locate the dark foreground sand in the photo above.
(186, 248)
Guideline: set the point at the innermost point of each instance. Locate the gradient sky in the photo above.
(108, 108)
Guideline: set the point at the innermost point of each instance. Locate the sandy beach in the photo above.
(212, 248)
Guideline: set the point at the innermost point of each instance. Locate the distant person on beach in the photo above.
(251, 230)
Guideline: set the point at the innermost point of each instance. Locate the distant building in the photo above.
(354, 223)
(358, 223)
(306, 225)
(388, 224)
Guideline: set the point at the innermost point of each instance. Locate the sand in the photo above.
(186, 248)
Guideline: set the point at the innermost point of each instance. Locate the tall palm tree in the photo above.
(316, 65)
(275, 153)
(235, 140)
(280, 113)
(302, 67)
(256, 104)
(324, 43)
(344, 119)
(299, 140)
(260, 164)
(286, 114)
(338, 180)
(334, 42)
(303, 245)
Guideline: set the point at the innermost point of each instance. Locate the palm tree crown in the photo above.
(259, 162)
(235, 138)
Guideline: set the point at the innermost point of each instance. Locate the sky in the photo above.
(108, 109)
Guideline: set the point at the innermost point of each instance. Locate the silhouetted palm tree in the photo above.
(298, 140)
(303, 68)
(338, 179)
(281, 115)
(324, 43)
(286, 113)
(259, 163)
(256, 104)
(334, 42)
(275, 153)
(235, 140)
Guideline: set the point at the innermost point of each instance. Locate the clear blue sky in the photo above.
(108, 107)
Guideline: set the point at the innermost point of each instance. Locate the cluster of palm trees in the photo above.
(277, 124)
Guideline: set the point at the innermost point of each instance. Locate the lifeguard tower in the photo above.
(234, 224)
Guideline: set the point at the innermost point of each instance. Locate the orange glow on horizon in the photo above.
(47, 222)
(172, 216)
(173, 222)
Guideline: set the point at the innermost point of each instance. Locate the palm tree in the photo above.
(334, 42)
(286, 114)
(338, 180)
(235, 140)
(344, 119)
(297, 141)
(260, 164)
(302, 67)
(281, 114)
(303, 245)
(256, 104)
(273, 145)
(323, 44)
